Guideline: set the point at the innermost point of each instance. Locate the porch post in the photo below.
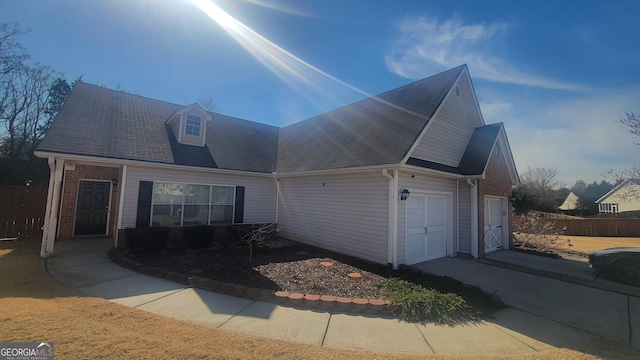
(53, 202)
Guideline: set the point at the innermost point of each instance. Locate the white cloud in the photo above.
(427, 46)
(491, 109)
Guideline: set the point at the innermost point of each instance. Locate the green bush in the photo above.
(419, 304)
(146, 239)
(199, 237)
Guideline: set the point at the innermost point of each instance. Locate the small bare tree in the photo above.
(258, 235)
(207, 103)
(539, 234)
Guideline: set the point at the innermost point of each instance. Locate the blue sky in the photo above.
(557, 73)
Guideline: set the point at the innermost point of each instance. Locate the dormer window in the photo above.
(193, 125)
(189, 125)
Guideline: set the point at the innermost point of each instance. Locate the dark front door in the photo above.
(93, 208)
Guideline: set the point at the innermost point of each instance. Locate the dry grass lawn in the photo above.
(36, 307)
(585, 244)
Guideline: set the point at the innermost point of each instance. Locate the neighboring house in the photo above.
(622, 198)
(570, 203)
(410, 175)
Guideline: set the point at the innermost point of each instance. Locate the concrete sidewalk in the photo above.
(84, 264)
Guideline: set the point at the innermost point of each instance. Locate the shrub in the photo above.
(533, 232)
(199, 237)
(417, 303)
(148, 239)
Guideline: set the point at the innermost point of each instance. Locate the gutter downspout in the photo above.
(51, 221)
(474, 218)
(392, 251)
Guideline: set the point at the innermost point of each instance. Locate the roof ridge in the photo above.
(101, 87)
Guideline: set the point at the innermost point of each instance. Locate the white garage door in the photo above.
(426, 228)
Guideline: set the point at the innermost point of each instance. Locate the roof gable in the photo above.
(445, 137)
(477, 154)
(627, 188)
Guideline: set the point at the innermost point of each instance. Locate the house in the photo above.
(570, 202)
(624, 197)
(407, 176)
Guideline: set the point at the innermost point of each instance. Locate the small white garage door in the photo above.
(426, 228)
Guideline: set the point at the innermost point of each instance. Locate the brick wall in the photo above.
(496, 183)
(70, 192)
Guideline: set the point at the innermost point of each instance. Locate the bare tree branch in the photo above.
(633, 122)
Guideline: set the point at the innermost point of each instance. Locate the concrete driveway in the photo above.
(558, 290)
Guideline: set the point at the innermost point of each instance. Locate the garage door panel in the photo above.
(426, 228)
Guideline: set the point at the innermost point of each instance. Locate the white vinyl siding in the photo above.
(427, 184)
(259, 201)
(449, 131)
(345, 213)
(175, 126)
(464, 213)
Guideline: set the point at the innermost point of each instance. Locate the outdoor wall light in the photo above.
(404, 194)
(114, 181)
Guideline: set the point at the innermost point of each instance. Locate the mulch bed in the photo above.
(281, 265)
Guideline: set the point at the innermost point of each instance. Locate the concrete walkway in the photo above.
(83, 263)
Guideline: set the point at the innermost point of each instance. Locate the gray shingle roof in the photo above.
(379, 130)
(96, 121)
(374, 131)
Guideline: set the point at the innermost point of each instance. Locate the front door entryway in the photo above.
(92, 208)
(426, 228)
(492, 224)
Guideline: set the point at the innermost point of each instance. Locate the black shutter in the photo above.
(238, 217)
(145, 193)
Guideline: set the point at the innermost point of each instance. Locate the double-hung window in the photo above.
(193, 125)
(177, 204)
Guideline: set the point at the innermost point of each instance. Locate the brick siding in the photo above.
(70, 196)
(496, 183)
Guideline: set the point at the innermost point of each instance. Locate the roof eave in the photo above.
(106, 160)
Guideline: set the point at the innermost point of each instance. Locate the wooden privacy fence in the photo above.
(598, 227)
(22, 210)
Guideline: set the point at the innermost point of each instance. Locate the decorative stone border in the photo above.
(310, 301)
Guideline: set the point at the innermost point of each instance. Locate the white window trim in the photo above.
(186, 125)
(153, 200)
